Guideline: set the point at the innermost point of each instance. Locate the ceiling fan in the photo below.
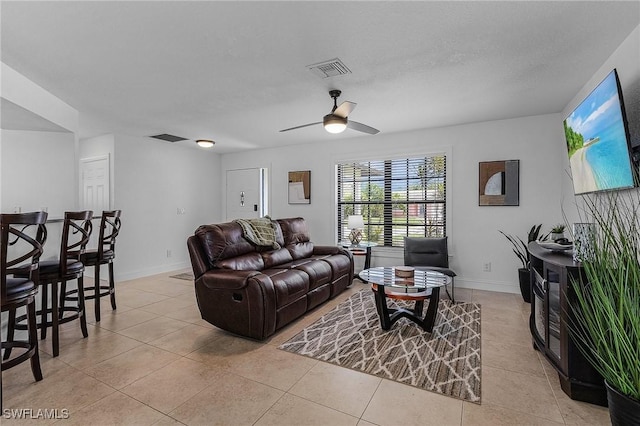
(337, 120)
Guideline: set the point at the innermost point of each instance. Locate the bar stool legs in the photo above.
(103, 255)
(31, 345)
(98, 289)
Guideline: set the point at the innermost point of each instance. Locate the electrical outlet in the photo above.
(181, 210)
(168, 253)
(487, 267)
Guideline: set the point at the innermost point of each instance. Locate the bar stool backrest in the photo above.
(16, 233)
(76, 233)
(109, 230)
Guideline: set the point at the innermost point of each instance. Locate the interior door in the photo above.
(246, 193)
(94, 174)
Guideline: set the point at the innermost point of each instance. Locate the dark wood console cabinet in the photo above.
(551, 275)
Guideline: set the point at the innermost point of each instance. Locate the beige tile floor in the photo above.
(155, 361)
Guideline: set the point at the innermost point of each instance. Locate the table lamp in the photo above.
(355, 223)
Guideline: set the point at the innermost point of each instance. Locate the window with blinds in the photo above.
(397, 198)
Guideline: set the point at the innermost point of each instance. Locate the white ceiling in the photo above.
(236, 72)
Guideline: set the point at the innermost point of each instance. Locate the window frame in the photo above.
(381, 157)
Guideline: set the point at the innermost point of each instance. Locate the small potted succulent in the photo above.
(557, 232)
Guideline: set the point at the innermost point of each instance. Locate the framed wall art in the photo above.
(499, 183)
(300, 187)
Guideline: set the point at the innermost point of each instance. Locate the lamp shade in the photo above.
(355, 221)
(334, 123)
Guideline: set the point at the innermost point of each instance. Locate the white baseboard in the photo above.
(151, 271)
(396, 257)
(499, 286)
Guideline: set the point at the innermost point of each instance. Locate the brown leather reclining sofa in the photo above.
(254, 291)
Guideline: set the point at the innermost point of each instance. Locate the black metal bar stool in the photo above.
(103, 255)
(76, 231)
(21, 249)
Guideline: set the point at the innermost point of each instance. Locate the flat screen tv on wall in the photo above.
(598, 140)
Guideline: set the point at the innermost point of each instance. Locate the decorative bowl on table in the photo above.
(404, 271)
(556, 246)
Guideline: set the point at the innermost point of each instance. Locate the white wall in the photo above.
(152, 180)
(473, 230)
(38, 171)
(626, 60)
(23, 147)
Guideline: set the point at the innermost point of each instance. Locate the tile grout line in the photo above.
(370, 399)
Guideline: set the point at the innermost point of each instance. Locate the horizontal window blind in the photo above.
(397, 198)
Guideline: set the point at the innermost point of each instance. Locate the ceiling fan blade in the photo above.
(345, 109)
(300, 127)
(362, 127)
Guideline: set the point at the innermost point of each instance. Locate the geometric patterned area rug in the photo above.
(446, 361)
(184, 276)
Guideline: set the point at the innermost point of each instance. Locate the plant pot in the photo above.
(524, 276)
(623, 410)
(556, 235)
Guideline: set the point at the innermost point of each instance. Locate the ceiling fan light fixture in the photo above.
(205, 143)
(336, 121)
(334, 124)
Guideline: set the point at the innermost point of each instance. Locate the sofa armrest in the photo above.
(227, 279)
(242, 302)
(324, 250)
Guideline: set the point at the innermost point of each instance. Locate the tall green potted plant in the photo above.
(521, 252)
(605, 317)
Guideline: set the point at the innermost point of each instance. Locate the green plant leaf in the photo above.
(606, 308)
(520, 248)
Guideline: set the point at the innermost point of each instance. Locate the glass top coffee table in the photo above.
(422, 286)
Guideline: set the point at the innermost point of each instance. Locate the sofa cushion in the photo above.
(295, 309)
(318, 295)
(340, 265)
(276, 257)
(223, 241)
(289, 284)
(244, 262)
(319, 272)
(300, 250)
(294, 230)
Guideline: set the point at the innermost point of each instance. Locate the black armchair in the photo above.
(429, 253)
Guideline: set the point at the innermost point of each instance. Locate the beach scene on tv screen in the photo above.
(597, 142)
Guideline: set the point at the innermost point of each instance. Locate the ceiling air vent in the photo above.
(168, 138)
(332, 68)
